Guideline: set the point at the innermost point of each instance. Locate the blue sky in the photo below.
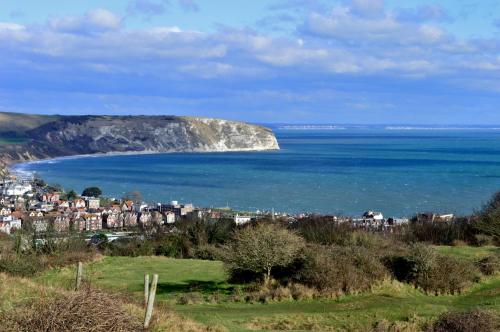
(314, 61)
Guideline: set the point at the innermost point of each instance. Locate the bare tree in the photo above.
(261, 248)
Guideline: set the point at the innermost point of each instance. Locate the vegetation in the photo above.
(261, 249)
(92, 192)
(210, 299)
(471, 321)
(314, 274)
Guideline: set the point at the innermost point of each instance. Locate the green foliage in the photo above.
(173, 245)
(489, 218)
(489, 265)
(432, 272)
(71, 195)
(129, 247)
(207, 252)
(262, 248)
(342, 270)
(92, 192)
(440, 233)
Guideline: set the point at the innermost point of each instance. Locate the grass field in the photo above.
(9, 141)
(392, 301)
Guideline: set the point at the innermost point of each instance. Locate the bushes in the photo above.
(489, 265)
(22, 266)
(261, 249)
(129, 247)
(207, 252)
(89, 310)
(472, 321)
(341, 270)
(431, 272)
(440, 233)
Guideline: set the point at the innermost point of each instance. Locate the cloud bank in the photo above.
(353, 62)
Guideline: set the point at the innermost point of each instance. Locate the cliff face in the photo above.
(68, 136)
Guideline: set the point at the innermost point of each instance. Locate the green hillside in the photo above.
(14, 125)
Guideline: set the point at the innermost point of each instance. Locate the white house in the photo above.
(170, 217)
(241, 219)
(17, 189)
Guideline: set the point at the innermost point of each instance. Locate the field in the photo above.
(392, 301)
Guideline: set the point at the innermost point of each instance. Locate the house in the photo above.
(169, 217)
(145, 218)
(78, 204)
(129, 219)
(36, 214)
(444, 217)
(373, 216)
(51, 197)
(128, 206)
(239, 220)
(8, 227)
(5, 212)
(63, 205)
(17, 189)
(62, 223)
(112, 219)
(40, 225)
(93, 203)
(89, 222)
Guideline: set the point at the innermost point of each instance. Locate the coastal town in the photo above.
(29, 203)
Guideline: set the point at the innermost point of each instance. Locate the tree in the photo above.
(261, 248)
(71, 195)
(92, 192)
(489, 218)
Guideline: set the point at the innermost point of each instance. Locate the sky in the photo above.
(265, 61)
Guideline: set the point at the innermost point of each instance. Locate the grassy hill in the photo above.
(206, 281)
(14, 125)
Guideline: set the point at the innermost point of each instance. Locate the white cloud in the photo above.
(97, 20)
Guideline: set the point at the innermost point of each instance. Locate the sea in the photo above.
(396, 170)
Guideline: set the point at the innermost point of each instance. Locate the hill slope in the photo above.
(49, 137)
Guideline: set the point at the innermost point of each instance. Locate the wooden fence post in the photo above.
(79, 272)
(146, 290)
(151, 301)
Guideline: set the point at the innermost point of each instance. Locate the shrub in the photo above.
(23, 266)
(341, 270)
(472, 321)
(431, 272)
(129, 247)
(88, 310)
(173, 245)
(483, 240)
(262, 248)
(489, 265)
(207, 252)
(448, 276)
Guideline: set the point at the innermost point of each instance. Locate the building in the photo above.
(239, 220)
(93, 203)
(169, 217)
(51, 197)
(17, 189)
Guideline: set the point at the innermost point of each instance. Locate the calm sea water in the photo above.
(398, 172)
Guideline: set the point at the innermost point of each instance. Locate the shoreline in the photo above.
(13, 167)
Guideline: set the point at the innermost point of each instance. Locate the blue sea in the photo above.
(396, 171)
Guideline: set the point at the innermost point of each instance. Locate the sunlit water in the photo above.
(398, 172)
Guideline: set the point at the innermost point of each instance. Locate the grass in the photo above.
(468, 253)
(126, 274)
(392, 301)
(9, 141)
